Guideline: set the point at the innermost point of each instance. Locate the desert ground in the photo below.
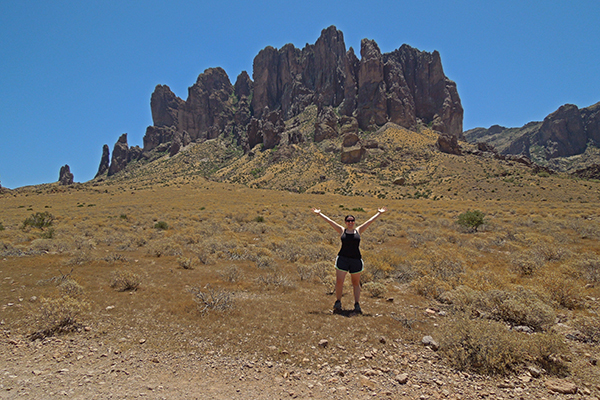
(203, 289)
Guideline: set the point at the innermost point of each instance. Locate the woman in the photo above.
(349, 258)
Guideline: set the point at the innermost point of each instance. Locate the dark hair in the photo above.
(349, 216)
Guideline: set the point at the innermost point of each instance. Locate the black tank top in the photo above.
(350, 243)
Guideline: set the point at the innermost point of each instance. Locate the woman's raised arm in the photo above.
(339, 229)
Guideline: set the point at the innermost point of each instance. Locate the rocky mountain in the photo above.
(567, 132)
(407, 87)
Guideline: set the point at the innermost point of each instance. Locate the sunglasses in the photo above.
(349, 220)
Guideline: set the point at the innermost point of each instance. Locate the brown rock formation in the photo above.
(448, 144)
(404, 87)
(563, 132)
(120, 155)
(65, 177)
(326, 126)
(165, 106)
(207, 109)
(104, 161)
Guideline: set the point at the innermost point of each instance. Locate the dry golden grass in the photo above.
(270, 260)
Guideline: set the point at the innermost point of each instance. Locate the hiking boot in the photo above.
(337, 307)
(357, 308)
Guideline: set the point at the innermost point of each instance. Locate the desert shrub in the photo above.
(231, 273)
(115, 257)
(430, 286)
(488, 347)
(185, 262)
(39, 220)
(305, 272)
(589, 328)
(519, 307)
(161, 225)
(525, 264)
(70, 287)
(123, 280)
(275, 279)
(1, 226)
(589, 268)
(471, 220)
(47, 233)
(58, 315)
(405, 273)
(209, 299)
(563, 289)
(549, 252)
(164, 248)
(265, 262)
(79, 258)
(375, 289)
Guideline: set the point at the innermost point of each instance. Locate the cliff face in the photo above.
(566, 132)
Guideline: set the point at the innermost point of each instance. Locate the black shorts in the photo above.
(352, 265)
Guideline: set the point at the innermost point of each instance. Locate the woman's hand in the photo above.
(317, 210)
(382, 209)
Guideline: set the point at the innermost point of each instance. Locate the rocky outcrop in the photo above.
(326, 126)
(104, 162)
(591, 172)
(352, 149)
(165, 107)
(65, 177)
(120, 155)
(565, 132)
(448, 144)
(406, 87)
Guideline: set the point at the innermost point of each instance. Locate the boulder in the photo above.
(448, 144)
(65, 177)
(350, 139)
(120, 155)
(104, 161)
(353, 154)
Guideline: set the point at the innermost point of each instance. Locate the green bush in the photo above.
(39, 220)
(471, 220)
(1, 226)
(162, 225)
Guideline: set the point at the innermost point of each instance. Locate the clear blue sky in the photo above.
(75, 75)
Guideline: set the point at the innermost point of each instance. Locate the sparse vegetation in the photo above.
(209, 299)
(161, 225)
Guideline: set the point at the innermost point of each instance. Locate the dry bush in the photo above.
(563, 289)
(275, 279)
(589, 327)
(430, 286)
(59, 315)
(185, 262)
(488, 347)
(589, 268)
(525, 264)
(70, 287)
(209, 299)
(265, 262)
(164, 247)
(80, 257)
(305, 272)
(122, 280)
(374, 289)
(231, 274)
(550, 252)
(519, 307)
(115, 257)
